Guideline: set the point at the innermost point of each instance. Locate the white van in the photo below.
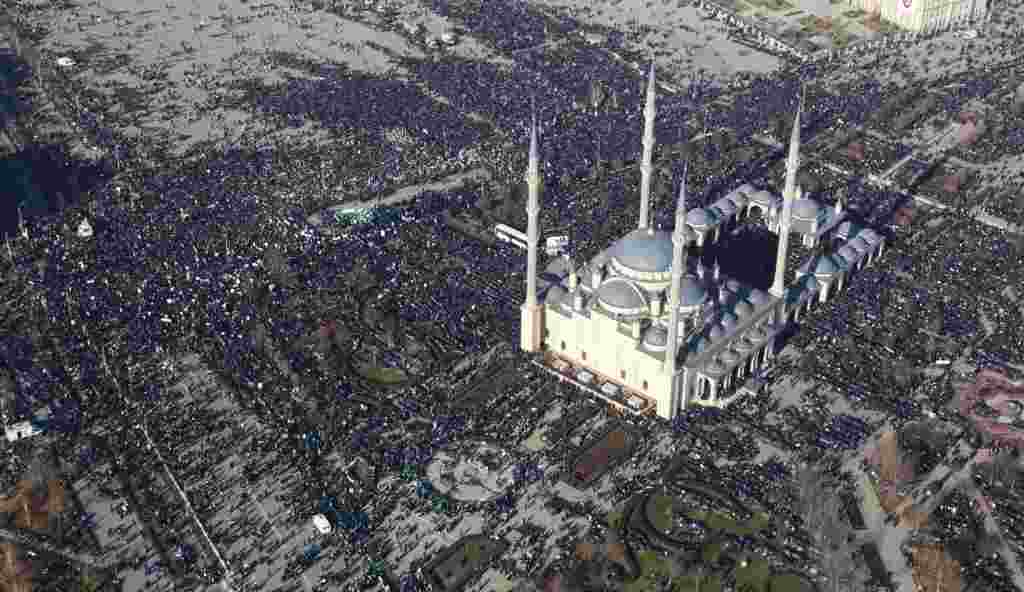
(584, 377)
(22, 429)
(322, 524)
(612, 390)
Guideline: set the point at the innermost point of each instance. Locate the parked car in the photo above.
(322, 524)
(611, 389)
(585, 377)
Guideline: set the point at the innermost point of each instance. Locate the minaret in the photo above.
(646, 169)
(532, 321)
(678, 268)
(789, 194)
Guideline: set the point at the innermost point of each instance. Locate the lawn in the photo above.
(383, 375)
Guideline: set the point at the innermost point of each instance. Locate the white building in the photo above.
(925, 16)
(645, 317)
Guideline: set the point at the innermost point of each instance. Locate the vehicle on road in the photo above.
(584, 377)
(322, 524)
(610, 389)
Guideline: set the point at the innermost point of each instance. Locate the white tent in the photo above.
(84, 229)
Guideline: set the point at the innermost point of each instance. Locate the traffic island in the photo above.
(456, 565)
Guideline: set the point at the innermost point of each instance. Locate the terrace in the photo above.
(565, 371)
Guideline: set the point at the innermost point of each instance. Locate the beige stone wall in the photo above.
(608, 353)
(943, 13)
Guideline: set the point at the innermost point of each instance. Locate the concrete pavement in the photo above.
(404, 194)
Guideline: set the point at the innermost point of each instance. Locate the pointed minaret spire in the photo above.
(532, 321)
(646, 169)
(793, 159)
(790, 194)
(679, 239)
(21, 225)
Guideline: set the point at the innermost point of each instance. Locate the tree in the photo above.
(1018, 100)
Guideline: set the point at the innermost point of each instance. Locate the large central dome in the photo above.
(643, 252)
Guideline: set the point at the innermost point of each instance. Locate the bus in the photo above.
(510, 235)
(556, 245)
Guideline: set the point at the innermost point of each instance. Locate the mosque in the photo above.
(661, 326)
(926, 16)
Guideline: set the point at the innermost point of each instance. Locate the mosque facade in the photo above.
(925, 16)
(665, 328)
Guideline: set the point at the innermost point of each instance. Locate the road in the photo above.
(404, 194)
(42, 546)
(976, 213)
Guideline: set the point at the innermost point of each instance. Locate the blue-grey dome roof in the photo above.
(656, 337)
(757, 297)
(559, 266)
(848, 253)
(621, 296)
(726, 205)
(805, 209)
(825, 266)
(556, 294)
(761, 198)
(692, 292)
(734, 286)
(644, 251)
(871, 236)
(698, 345)
(848, 229)
(729, 357)
(810, 284)
(699, 217)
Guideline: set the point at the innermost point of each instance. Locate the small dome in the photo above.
(729, 357)
(699, 218)
(716, 333)
(559, 266)
(805, 209)
(871, 236)
(725, 206)
(847, 229)
(691, 292)
(761, 198)
(757, 297)
(644, 251)
(860, 244)
(825, 266)
(746, 344)
(728, 320)
(621, 296)
(556, 294)
(848, 253)
(743, 308)
(734, 286)
(656, 338)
